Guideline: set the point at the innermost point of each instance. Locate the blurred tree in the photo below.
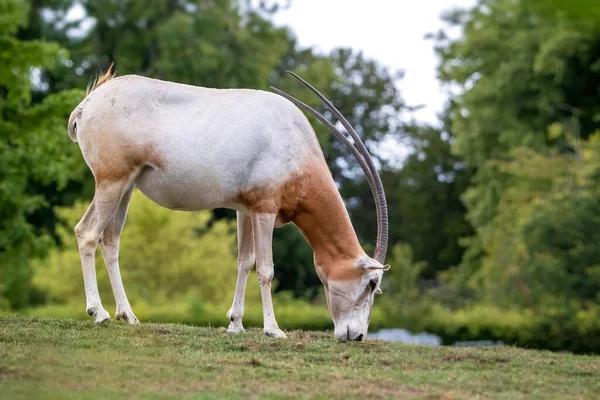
(33, 150)
(220, 44)
(517, 71)
(403, 283)
(542, 249)
(585, 13)
(427, 194)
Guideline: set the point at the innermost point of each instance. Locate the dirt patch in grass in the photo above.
(306, 335)
(255, 363)
(164, 330)
(357, 387)
(475, 358)
(10, 372)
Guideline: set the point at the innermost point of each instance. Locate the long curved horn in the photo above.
(363, 157)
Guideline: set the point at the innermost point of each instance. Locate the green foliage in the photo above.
(566, 327)
(532, 198)
(167, 256)
(512, 326)
(585, 13)
(426, 211)
(33, 151)
(541, 249)
(214, 44)
(402, 284)
(550, 76)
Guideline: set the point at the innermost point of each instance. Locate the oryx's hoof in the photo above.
(235, 327)
(236, 322)
(128, 316)
(275, 333)
(100, 315)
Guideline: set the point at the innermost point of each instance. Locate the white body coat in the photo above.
(213, 145)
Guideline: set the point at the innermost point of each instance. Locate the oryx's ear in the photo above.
(370, 264)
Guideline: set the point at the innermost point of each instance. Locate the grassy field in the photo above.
(67, 359)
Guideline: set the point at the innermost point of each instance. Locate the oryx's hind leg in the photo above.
(109, 244)
(262, 227)
(88, 231)
(245, 264)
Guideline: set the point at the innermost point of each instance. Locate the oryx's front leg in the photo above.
(109, 244)
(245, 263)
(262, 227)
(88, 231)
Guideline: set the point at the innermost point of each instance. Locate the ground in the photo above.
(68, 359)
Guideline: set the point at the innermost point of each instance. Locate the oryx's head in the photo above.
(350, 295)
(350, 300)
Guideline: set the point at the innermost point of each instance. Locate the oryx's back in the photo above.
(191, 147)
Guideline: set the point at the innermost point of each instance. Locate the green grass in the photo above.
(66, 359)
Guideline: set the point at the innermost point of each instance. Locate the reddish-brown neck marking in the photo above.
(322, 218)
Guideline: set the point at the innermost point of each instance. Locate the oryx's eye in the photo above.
(372, 285)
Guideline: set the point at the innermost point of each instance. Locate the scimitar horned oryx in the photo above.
(194, 148)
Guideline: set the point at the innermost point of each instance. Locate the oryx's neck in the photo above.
(324, 221)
